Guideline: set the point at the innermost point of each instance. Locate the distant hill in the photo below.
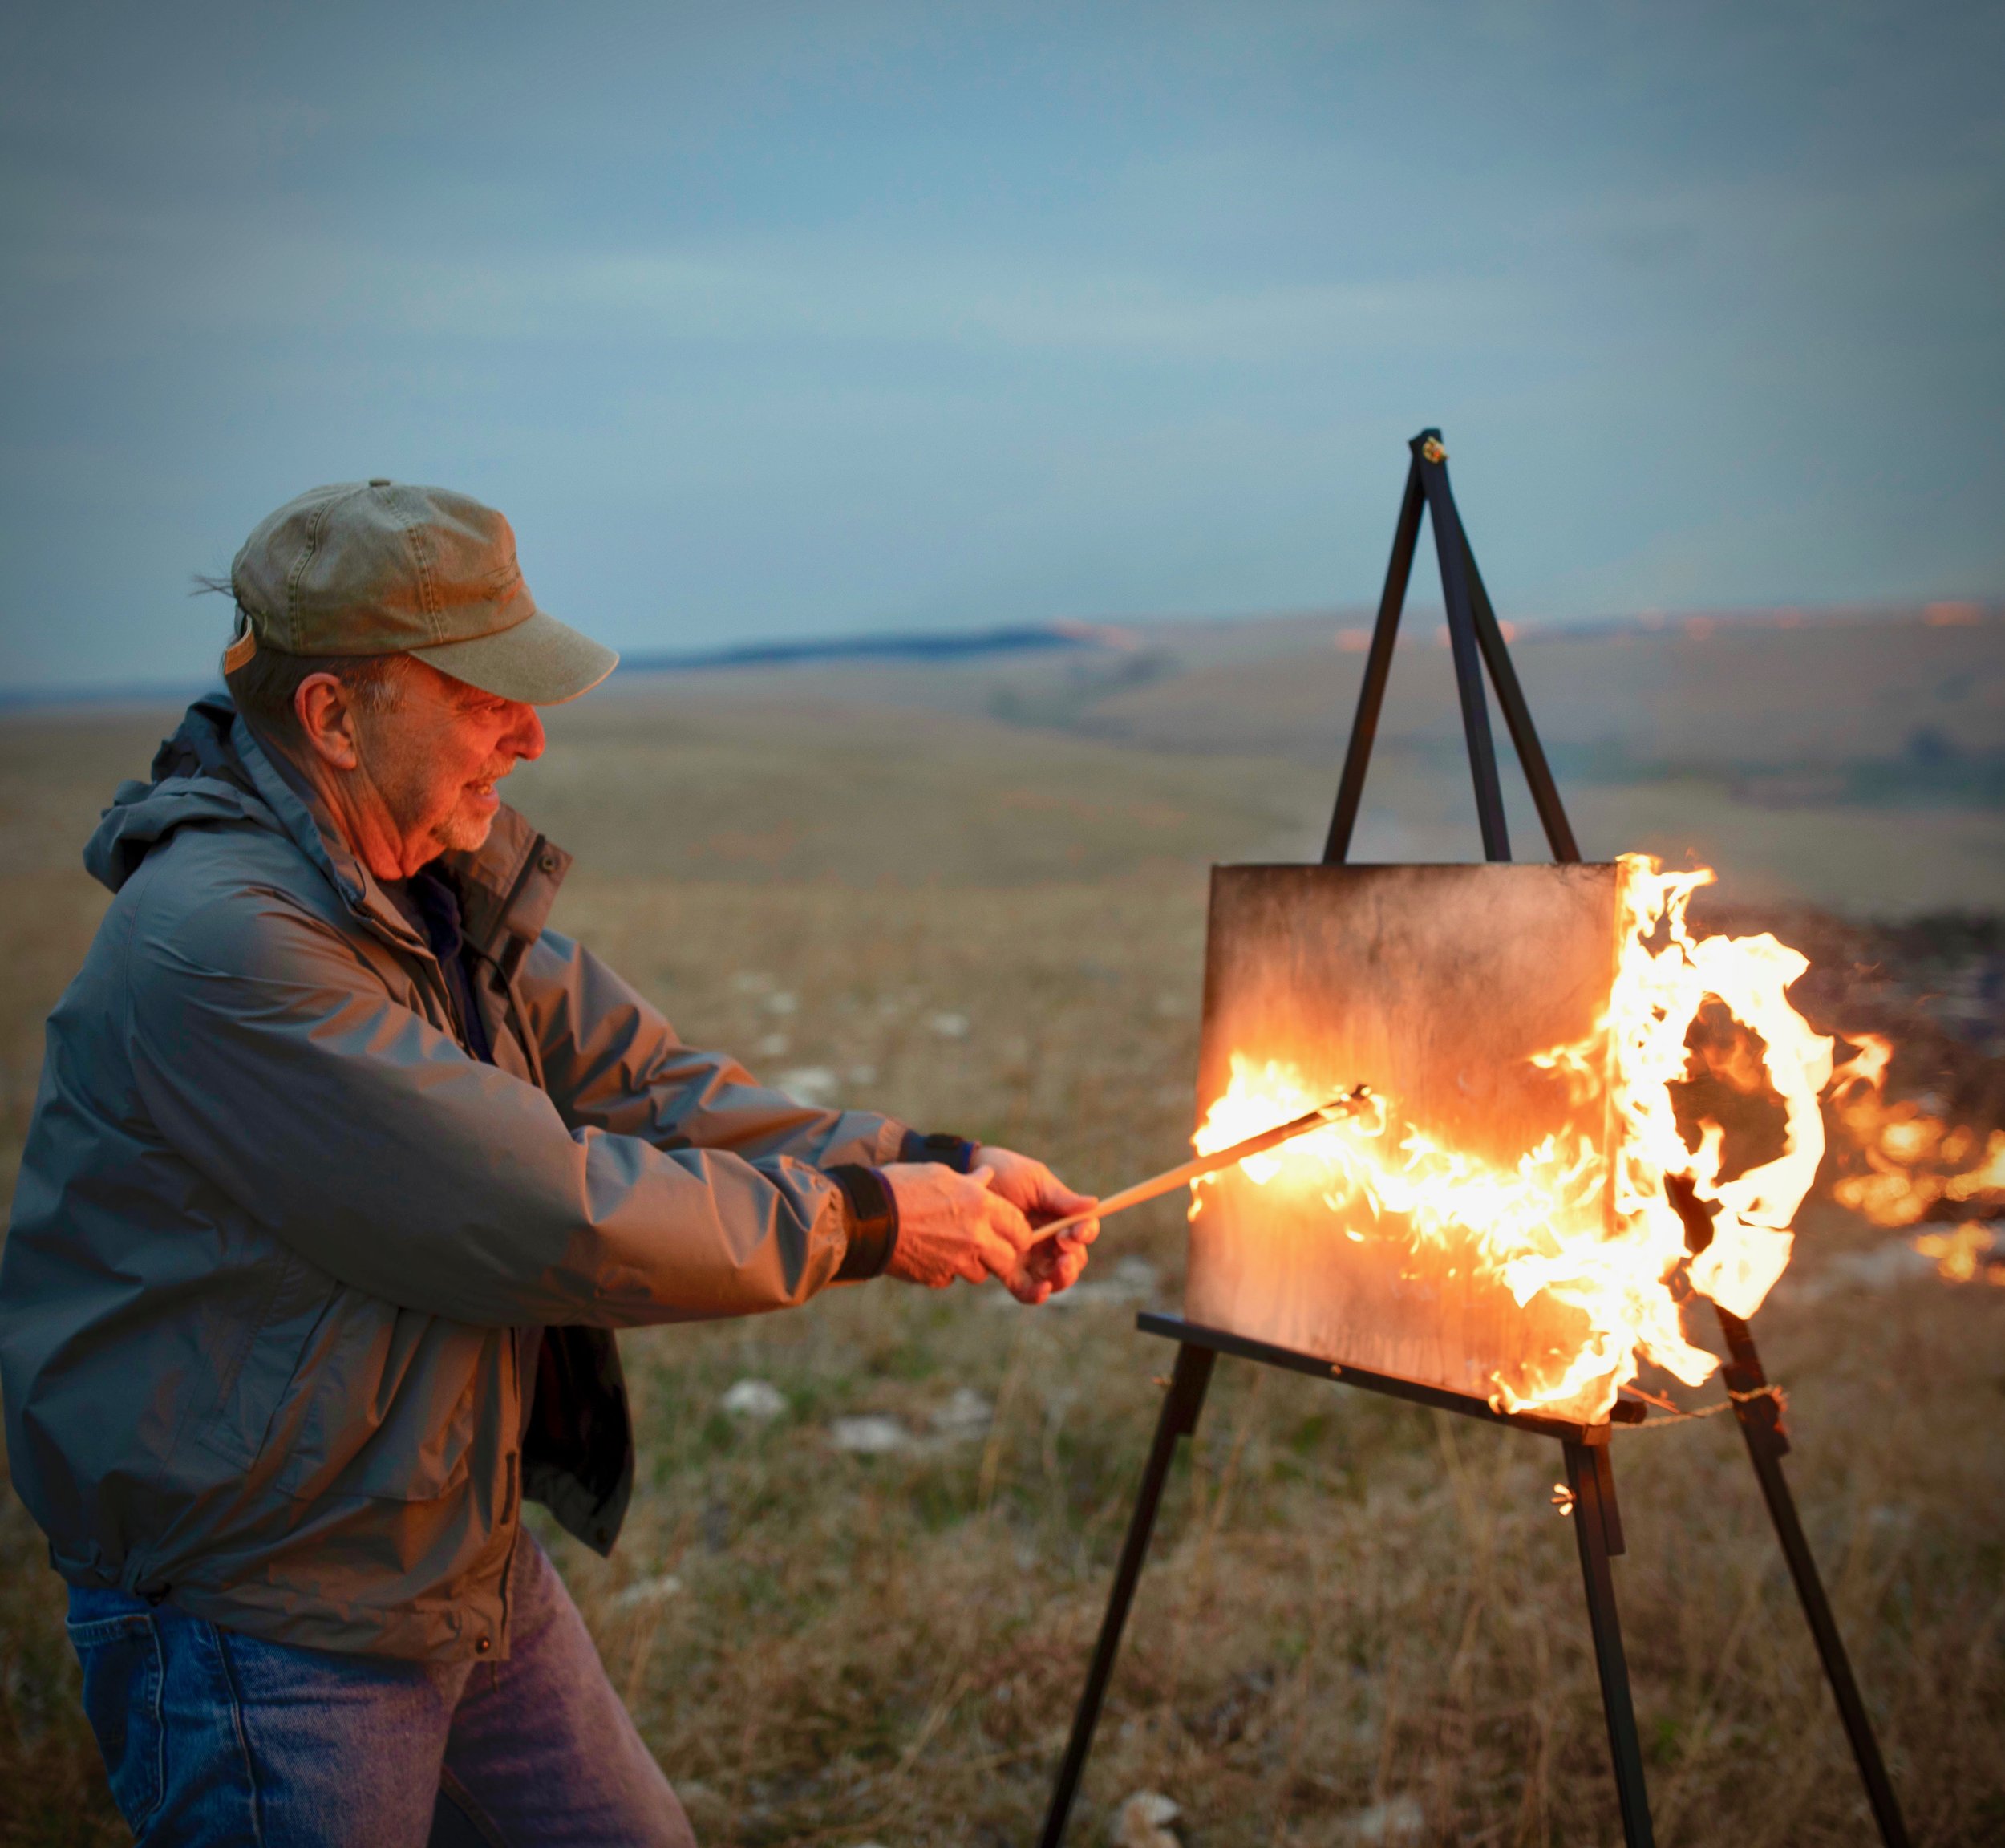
(1695, 694)
(923, 645)
(1770, 693)
(1855, 760)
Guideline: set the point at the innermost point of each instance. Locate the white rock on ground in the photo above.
(757, 1399)
(871, 1435)
(1126, 1280)
(647, 1591)
(967, 1414)
(1397, 1819)
(1143, 1820)
(810, 1085)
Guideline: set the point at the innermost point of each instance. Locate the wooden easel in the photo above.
(1477, 643)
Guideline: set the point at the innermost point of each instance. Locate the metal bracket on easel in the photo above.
(1477, 641)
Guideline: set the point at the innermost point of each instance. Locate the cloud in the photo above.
(802, 316)
(200, 272)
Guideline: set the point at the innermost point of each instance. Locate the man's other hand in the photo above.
(952, 1225)
(1049, 1265)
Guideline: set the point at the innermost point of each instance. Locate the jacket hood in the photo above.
(210, 771)
(214, 771)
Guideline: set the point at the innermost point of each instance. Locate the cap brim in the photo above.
(540, 662)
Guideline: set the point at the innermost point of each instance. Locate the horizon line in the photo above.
(945, 645)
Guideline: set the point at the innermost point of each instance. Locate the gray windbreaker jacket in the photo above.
(299, 1300)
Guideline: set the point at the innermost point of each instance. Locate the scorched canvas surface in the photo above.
(1438, 987)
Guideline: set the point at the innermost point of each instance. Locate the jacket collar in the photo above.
(506, 889)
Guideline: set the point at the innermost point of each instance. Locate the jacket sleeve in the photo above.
(272, 1057)
(611, 1062)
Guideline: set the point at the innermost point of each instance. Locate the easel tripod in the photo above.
(1478, 643)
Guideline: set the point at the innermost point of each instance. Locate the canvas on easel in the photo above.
(1439, 986)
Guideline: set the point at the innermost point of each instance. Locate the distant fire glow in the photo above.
(1908, 1165)
(1582, 1220)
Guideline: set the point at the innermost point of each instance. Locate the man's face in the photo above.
(434, 757)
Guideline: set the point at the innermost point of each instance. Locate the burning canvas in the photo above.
(1499, 1227)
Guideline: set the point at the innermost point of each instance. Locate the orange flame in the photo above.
(1915, 1165)
(1963, 1254)
(1590, 1226)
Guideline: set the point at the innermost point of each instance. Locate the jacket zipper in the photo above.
(512, 1495)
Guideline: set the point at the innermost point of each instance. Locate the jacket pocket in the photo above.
(388, 1403)
(266, 1360)
(123, 1677)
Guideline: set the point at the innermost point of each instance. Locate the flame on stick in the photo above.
(1353, 1102)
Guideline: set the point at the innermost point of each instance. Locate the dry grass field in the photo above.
(1361, 1623)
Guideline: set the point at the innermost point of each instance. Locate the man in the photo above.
(342, 1171)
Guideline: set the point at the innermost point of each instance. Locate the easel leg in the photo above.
(1452, 548)
(1596, 1527)
(1184, 1399)
(1759, 1417)
(1378, 667)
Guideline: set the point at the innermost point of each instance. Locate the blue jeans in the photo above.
(214, 1737)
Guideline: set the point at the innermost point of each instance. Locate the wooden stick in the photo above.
(1349, 1104)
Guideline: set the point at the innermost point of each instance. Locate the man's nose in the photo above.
(525, 736)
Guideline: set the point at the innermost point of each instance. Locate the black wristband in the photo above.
(871, 1211)
(954, 1151)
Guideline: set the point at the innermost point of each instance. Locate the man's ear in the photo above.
(326, 718)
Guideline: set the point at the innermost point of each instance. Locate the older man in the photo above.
(343, 1169)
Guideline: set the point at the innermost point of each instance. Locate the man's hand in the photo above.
(952, 1225)
(1049, 1265)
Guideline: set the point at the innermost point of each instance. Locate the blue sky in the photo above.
(766, 321)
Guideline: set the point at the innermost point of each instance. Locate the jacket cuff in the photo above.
(954, 1151)
(870, 1217)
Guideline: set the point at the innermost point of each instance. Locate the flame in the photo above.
(1583, 1225)
(1914, 1166)
(1964, 1254)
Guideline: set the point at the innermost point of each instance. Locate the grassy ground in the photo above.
(1361, 1623)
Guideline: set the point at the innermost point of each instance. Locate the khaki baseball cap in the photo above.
(384, 567)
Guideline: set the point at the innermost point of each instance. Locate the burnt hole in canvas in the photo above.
(1727, 1084)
